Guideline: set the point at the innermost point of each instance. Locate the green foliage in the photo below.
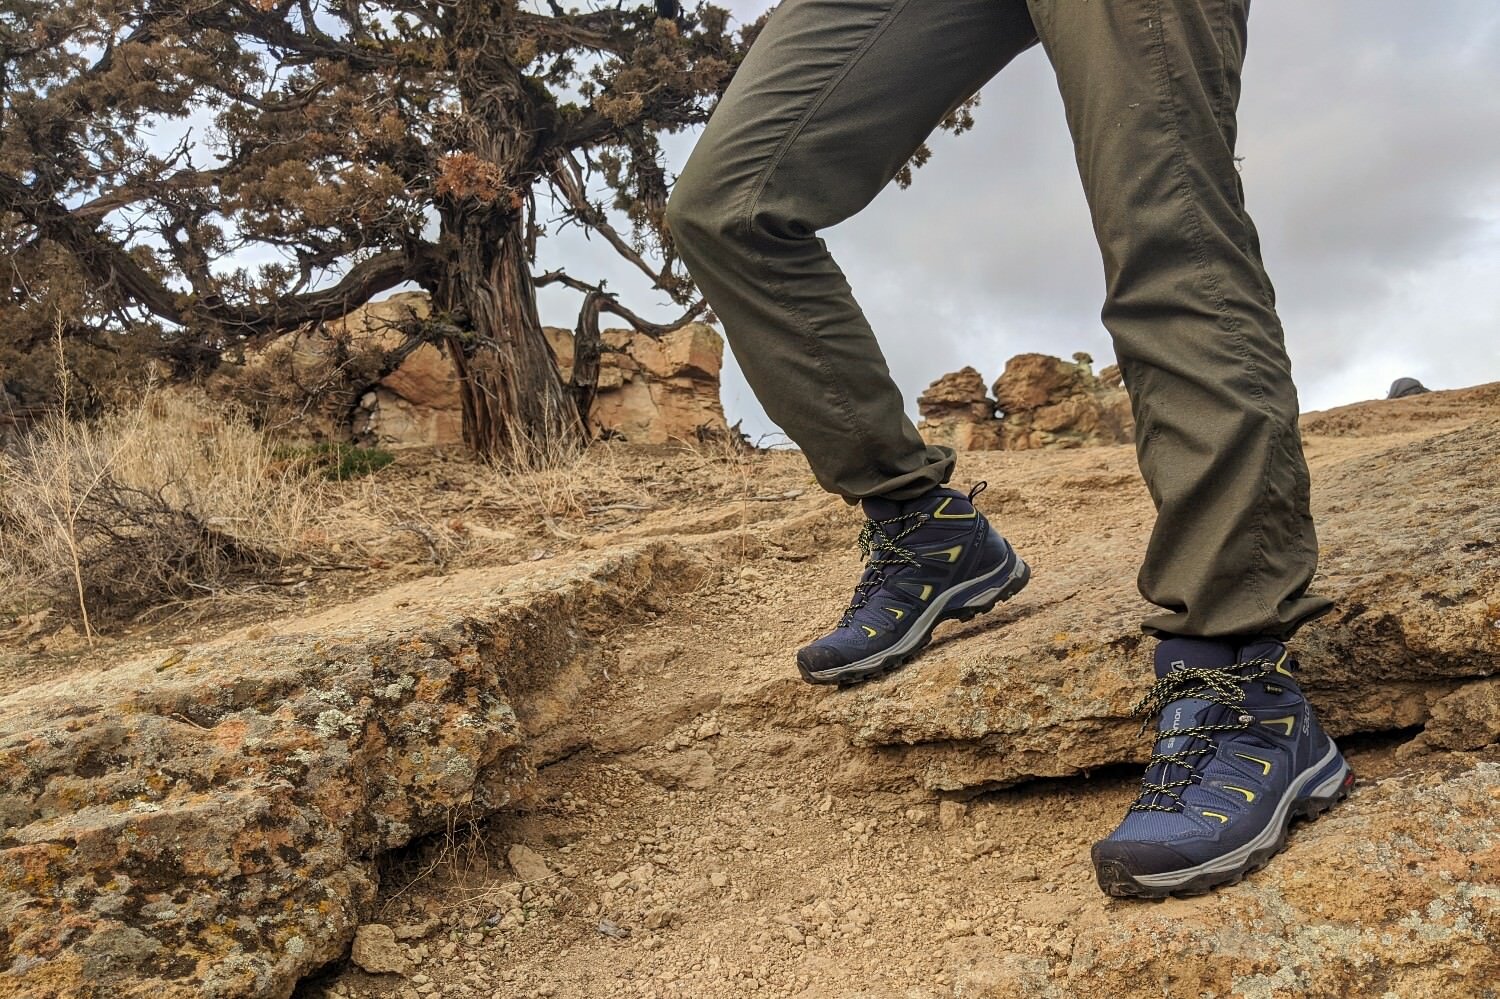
(149, 148)
(338, 462)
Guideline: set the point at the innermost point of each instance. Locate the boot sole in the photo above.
(1116, 879)
(1003, 588)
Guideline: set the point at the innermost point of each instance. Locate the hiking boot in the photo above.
(930, 559)
(1238, 756)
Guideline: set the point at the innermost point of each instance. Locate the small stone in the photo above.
(719, 879)
(613, 930)
(375, 950)
(951, 814)
(527, 864)
(793, 935)
(416, 931)
(659, 918)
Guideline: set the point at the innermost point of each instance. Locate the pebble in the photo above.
(951, 814)
(375, 950)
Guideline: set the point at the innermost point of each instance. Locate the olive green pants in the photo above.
(833, 99)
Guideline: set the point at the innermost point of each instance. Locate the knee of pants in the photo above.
(709, 210)
(700, 211)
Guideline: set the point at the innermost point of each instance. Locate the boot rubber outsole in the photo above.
(1117, 881)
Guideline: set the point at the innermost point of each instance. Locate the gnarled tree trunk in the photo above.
(515, 404)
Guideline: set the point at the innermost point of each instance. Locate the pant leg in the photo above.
(831, 101)
(1151, 89)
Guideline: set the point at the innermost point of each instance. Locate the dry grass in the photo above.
(170, 498)
(564, 487)
(567, 484)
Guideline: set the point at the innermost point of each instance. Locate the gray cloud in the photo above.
(1370, 131)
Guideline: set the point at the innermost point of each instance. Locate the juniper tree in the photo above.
(220, 172)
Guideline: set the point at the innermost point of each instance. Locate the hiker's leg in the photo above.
(832, 100)
(1151, 89)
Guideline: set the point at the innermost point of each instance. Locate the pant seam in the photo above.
(1228, 321)
(752, 200)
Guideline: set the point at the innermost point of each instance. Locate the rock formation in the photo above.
(203, 825)
(1048, 402)
(1403, 388)
(957, 411)
(654, 391)
(1040, 401)
(418, 403)
(650, 391)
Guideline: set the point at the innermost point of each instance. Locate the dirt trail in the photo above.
(708, 829)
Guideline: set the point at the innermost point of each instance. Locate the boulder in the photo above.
(1040, 402)
(1048, 402)
(205, 823)
(957, 411)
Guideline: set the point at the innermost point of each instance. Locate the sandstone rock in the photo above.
(652, 391)
(205, 825)
(1410, 533)
(957, 411)
(1043, 401)
(375, 950)
(1049, 402)
(1468, 718)
(1392, 894)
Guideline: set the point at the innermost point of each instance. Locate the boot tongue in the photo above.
(1184, 653)
(879, 508)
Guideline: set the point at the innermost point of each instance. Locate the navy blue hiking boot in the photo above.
(1238, 756)
(929, 559)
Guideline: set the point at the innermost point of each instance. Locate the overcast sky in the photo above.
(1370, 131)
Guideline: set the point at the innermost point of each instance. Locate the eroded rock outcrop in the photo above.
(1048, 402)
(652, 391)
(338, 381)
(957, 411)
(204, 823)
(1040, 401)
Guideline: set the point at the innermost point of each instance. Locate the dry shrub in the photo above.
(169, 499)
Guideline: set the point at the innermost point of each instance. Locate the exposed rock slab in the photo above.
(1395, 893)
(1411, 551)
(203, 823)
